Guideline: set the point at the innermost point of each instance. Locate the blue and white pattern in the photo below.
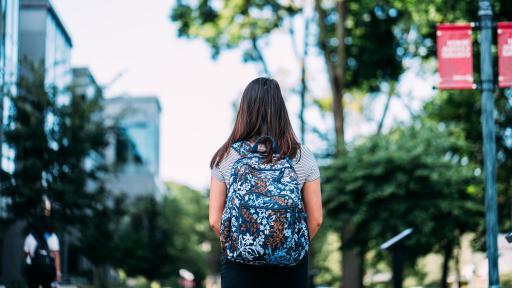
(264, 221)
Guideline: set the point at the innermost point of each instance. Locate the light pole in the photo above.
(398, 254)
(489, 139)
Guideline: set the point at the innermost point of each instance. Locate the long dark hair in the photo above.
(262, 112)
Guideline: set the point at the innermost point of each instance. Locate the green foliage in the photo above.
(58, 150)
(462, 109)
(143, 241)
(81, 138)
(103, 223)
(230, 24)
(29, 133)
(325, 249)
(373, 35)
(157, 238)
(412, 177)
(59, 138)
(423, 16)
(371, 42)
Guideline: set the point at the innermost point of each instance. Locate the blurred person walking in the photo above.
(265, 198)
(42, 254)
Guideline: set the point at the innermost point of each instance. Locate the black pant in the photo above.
(236, 275)
(35, 279)
(34, 282)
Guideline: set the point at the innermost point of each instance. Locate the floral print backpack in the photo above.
(264, 222)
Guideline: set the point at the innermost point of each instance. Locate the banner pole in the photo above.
(489, 139)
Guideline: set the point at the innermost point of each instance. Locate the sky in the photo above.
(136, 38)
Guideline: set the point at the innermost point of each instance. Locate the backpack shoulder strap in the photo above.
(242, 148)
(41, 242)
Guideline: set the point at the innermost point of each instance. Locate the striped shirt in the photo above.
(304, 164)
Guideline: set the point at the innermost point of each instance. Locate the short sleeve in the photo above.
(222, 171)
(27, 247)
(53, 242)
(310, 165)
(217, 174)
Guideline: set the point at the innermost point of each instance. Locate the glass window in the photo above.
(9, 70)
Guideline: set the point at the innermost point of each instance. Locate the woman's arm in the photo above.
(313, 205)
(217, 203)
(56, 256)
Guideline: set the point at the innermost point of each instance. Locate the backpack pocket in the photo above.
(266, 235)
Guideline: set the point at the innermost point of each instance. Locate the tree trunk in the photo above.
(448, 250)
(341, 9)
(335, 66)
(100, 274)
(303, 86)
(301, 58)
(351, 262)
(457, 265)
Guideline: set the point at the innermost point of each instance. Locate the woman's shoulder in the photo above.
(229, 158)
(30, 238)
(304, 154)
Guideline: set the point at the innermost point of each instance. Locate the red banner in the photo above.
(455, 55)
(505, 54)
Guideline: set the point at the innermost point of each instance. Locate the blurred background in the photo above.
(112, 109)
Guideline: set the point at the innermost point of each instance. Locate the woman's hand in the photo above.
(217, 203)
(313, 205)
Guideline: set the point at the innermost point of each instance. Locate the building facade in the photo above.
(9, 17)
(139, 119)
(42, 39)
(84, 83)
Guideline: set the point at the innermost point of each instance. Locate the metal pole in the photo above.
(489, 139)
(397, 264)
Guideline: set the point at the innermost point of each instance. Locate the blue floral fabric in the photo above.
(264, 221)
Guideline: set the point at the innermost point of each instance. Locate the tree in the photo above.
(59, 152)
(103, 223)
(81, 138)
(143, 250)
(28, 134)
(462, 110)
(159, 237)
(58, 149)
(348, 33)
(230, 24)
(364, 44)
(199, 243)
(247, 24)
(413, 177)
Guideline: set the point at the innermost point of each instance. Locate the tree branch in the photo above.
(254, 42)
(391, 92)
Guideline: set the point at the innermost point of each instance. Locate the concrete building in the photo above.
(139, 118)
